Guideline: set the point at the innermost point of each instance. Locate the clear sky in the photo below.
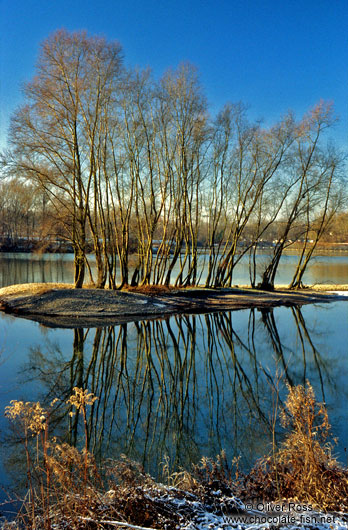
(274, 55)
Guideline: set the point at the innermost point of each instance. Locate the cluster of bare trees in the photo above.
(140, 168)
(17, 211)
(27, 219)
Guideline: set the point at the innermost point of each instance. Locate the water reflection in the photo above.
(25, 268)
(30, 268)
(185, 386)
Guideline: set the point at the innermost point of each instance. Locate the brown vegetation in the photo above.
(149, 289)
(304, 468)
(68, 490)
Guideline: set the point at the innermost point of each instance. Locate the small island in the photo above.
(60, 305)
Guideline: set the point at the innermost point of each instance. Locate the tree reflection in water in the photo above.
(185, 386)
(26, 268)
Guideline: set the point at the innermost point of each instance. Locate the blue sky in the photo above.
(274, 55)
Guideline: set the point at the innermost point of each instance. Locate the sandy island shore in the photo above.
(59, 305)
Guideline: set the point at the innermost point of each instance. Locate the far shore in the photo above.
(64, 247)
(60, 305)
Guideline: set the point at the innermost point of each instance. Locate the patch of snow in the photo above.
(316, 521)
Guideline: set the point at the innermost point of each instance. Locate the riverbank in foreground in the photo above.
(298, 485)
(59, 305)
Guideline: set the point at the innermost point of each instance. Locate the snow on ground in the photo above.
(209, 521)
(184, 510)
(230, 513)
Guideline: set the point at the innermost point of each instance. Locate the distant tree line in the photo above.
(138, 169)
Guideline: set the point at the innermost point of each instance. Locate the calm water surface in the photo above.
(181, 387)
(24, 268)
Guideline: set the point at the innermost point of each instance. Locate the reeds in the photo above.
(303, 468)
(68, 490)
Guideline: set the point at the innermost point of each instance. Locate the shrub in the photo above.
(303, 469)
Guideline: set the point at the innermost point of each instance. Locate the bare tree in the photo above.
(55, 136)
(325, 199)
(303, 183)
(185, 137)
(248, 164)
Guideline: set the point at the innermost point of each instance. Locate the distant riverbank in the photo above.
(33, 246)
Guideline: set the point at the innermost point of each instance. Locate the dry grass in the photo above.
(33, 288)
(321, 287)
(149, 289)
(303, 469)
(68, 490)
(329, 287)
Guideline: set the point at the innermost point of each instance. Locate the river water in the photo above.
(179, 388)
(23, 268)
